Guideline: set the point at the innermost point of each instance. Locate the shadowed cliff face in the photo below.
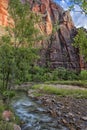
(58, 50)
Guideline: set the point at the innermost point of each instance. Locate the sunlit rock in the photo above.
(58, 51)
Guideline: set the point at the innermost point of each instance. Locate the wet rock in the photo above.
(53, 113)
(17, 127)
(64, 121)
(31, 93)
(84, 118)
(36, 117)
(59, 113)
(71, 114)
(68, 111)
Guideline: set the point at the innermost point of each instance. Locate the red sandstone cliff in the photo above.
(58, 51)
(5, 19)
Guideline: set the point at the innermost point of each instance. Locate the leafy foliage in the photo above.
(82, 4)
(24, 31)
(83, 75)
(80, 41)
(15, 64)
(46, 74)
(25, 58)
(15, 59)
(6, 63)
(70, 92)
(6, 126)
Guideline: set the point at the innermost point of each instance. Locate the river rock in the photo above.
(71, 114)
(84, 118)
(64, 121)
(7, 115)
(17, 127)
(31, 93)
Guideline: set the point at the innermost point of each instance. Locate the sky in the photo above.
(80, 19)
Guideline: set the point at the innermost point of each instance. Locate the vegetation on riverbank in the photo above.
(61, 91)
(80, 83)
(18, 62)
(8, 119)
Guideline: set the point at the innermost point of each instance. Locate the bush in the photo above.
(6, 126)
(47, 76)
(64, 74)
(2, 108)
(38, 73)
(44, 74)
(9, 94)
(83, 75)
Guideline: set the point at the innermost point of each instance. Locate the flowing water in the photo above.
(33, 115)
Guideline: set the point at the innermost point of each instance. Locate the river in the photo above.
(34, 116)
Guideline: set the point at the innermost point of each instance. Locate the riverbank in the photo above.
(8, 120)
(68, 111)
(67, 104)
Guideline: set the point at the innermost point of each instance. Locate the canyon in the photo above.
(58, 50)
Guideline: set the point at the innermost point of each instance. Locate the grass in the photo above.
(78, 93)
(81, 83)
(6, 125)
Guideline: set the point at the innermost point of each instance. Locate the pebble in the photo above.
(64, 121)
(84, 118)
(71, 114)
(17, 127)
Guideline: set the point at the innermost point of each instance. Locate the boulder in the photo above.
(7, 115)
(17, 127)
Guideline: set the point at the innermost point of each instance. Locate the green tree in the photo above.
(82, 4)
(25, 58)
(16, 50)
(80, 41)
(6, 61)
(24, 30)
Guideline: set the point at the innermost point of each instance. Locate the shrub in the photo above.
(39, 73)
(6, 126)
(9, 94)
(64, 74)
(45, 74)
(83, 75)
(48, 76)
(2, 108)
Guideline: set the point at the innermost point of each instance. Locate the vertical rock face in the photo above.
(5, 19)
(58, 51)
(3, 12)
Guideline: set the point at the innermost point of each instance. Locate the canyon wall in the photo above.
(57, 51)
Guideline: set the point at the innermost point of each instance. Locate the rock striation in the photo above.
(5, 19)
(57, 51)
